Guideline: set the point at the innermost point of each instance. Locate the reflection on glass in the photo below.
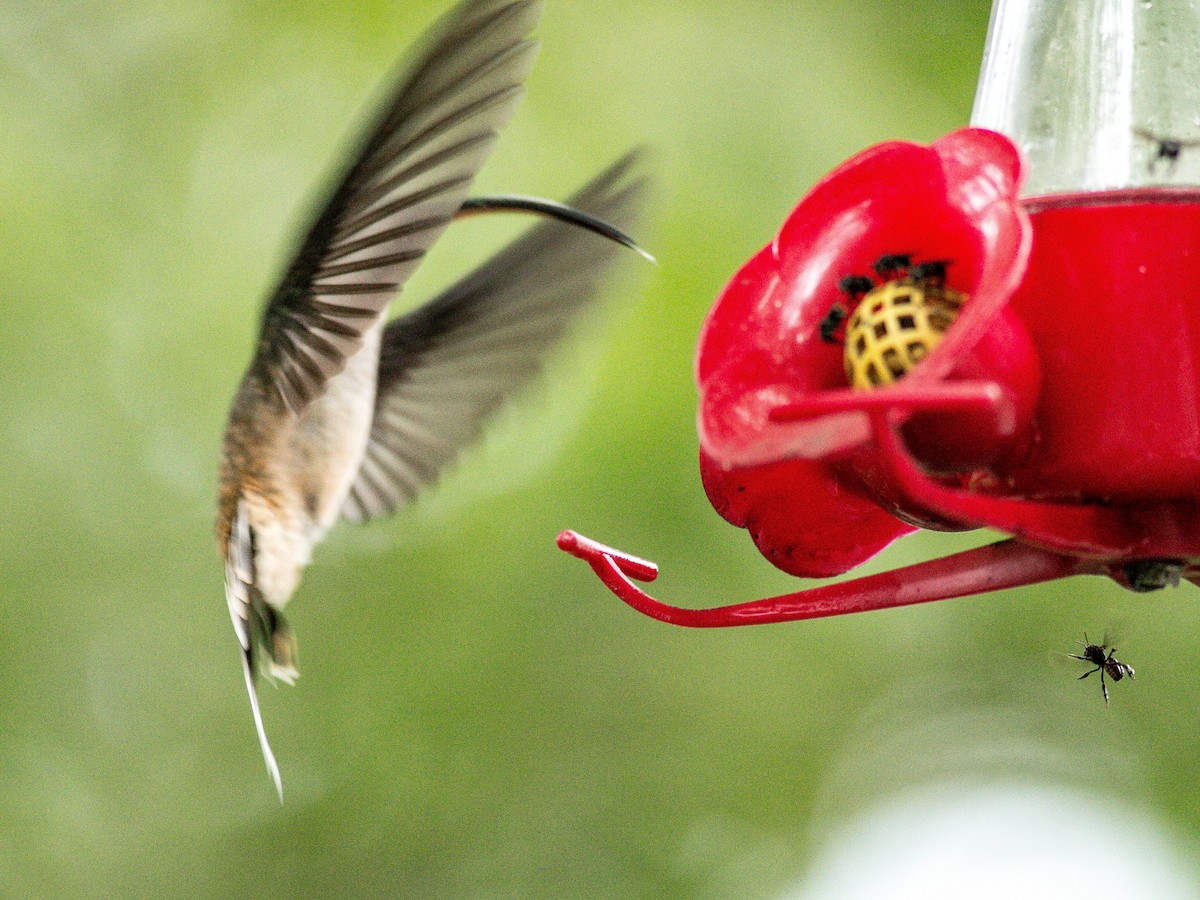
(1100, 94)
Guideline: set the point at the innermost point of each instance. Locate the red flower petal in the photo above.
(801, 516)
(760, 350)
(760, 347)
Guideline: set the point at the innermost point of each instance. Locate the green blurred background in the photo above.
(477, 716)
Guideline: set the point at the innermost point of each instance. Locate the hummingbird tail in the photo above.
(268, 754)
(280, 643)
(272, 634)
(257, 626)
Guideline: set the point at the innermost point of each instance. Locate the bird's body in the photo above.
(292, 473)
(342, 413)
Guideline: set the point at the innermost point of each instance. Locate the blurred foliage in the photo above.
(477, 717)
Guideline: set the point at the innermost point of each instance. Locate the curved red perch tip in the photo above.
(590, 551)
(989, 568)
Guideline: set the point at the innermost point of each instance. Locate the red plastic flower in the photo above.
(1060, 405)
(784, 438)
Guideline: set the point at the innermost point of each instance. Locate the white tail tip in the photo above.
(268, 756)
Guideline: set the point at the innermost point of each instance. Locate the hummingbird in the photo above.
(344, 414)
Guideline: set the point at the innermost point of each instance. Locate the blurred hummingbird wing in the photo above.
(447, 366)
(410, 176)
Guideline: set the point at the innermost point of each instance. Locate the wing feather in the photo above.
(409, 177)
(448, 366)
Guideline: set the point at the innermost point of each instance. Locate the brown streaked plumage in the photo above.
(339, 413)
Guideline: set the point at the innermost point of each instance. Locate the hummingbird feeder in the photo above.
(999, 330)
